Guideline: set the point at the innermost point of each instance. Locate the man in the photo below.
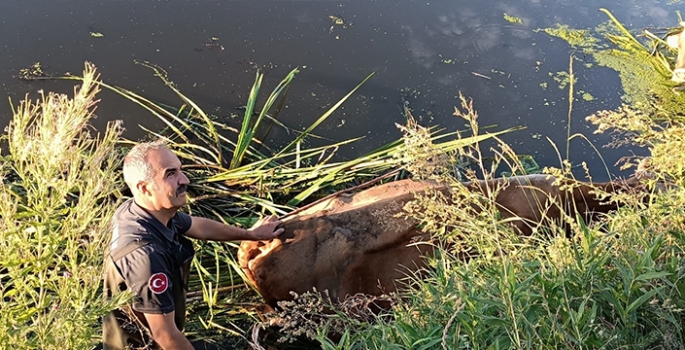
(150, 255)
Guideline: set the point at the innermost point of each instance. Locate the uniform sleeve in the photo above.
(149, 276)
(182, 221)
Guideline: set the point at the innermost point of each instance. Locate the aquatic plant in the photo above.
(643, 61)
(652, 115)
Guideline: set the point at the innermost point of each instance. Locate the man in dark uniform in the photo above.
(150, 254)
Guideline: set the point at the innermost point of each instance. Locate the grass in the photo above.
(616, 290)
(613, 285)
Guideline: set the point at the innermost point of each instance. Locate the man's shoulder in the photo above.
(127, 226)
(138, 266)
(136, 241)
(140, 255)
(129, 229)
(128, 212)
(123, 207)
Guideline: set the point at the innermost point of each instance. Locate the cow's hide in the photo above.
(363, 242)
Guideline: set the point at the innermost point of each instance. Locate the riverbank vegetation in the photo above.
(61, 184)
(617, 284)
(56, 202)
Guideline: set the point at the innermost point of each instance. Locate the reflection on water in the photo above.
(423, 52)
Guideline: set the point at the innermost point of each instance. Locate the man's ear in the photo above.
(143, 188)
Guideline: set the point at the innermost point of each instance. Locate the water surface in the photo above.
(422, 52)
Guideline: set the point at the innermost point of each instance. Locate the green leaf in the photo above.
(648, 276)
(642, 299)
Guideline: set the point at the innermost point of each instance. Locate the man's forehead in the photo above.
(163, 158)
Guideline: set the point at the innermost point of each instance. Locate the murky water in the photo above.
(423, 51)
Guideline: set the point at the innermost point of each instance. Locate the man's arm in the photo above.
(165, 333)
(206, 229)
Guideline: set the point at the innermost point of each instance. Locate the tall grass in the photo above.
(56, 202)
(616, 290)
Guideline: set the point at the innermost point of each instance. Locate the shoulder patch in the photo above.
(158, 283)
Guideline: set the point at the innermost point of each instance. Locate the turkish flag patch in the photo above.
(158, 283)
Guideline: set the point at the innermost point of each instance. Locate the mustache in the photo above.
(181, 189)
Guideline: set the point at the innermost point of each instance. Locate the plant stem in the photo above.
(570, 107)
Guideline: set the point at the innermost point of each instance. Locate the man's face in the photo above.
(167, 189)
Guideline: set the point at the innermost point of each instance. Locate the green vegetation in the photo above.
(618, 288)
(575, 37)
(55, 208)
(586, 96)
(61, 184)
(512, 19)
(644, 63)
(617, 284)
(563, 78)
(614, 284)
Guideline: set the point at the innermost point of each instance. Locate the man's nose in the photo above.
(184, 179)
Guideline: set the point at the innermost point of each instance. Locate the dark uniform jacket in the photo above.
(152, 261)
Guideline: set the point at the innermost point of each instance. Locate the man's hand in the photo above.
(265, 229)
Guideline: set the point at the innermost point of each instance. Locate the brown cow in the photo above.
(335, 246)
(529, 202)
(362, 243)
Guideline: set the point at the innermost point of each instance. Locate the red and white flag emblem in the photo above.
(158, 283)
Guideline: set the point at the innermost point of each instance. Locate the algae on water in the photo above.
(586, 96)
(512, 19)
(575, 37)
(563, 78)
(644, 77)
